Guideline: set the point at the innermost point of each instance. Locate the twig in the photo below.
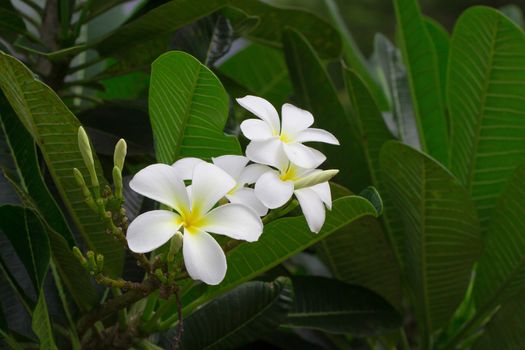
(180, 328)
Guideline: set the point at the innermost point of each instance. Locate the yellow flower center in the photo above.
(285, 138)
(289, 175)
(191, 221)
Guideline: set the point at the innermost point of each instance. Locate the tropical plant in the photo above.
(416, 242)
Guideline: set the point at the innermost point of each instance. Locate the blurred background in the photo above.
(364, 18)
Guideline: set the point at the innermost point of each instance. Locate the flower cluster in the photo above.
(230, 195)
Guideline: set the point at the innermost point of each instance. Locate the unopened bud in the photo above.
(117, 181)
(91, 260)
(120, 154)
(175, 245)
(100, 262)
(78, 254)
(315, 178)
(160, 276)
(87, 155)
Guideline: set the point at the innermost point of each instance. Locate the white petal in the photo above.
(234, 220)
(231, 164)
(247, 197)
(160, 182)
(316, 135)
(263, 109)
(151, 230)
(210, 183)
(272, 191)
(203, 257)
(252, 173)
(303, 156)
(324, 193)
(185, 167)
(256, 130)
(312, 207)
(295, 119)
(269, 152)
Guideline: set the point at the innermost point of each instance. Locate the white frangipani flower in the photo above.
(272, 140)
(194, 214)
(275, 187)
(237, 168)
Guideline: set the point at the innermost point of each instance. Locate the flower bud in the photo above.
(100, 262)
(78, 254)
(175, 245)
(117, 181)
(315, 178)
(120, 154)
(87, 155)
(91, 260)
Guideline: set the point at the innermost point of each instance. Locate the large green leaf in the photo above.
(486, 90)
(506, 330)
(285, 237)
(421, 60)
(275, 21)
(238, 317)
(42, 325)
(316, 93)
(268, 78)
(373, 134)
(333, 306)
(23, 153)
(29, 239)
(441, 40)
(54, 129)
(188, 109)
(501, 268)
(34, 194)
(361, 254)
(441, 238)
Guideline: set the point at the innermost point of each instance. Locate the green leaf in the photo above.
(41, 324)
(316, 93)
(501, 270)
(373, 134)
(441, 40)
(333, 306)
(441, 238)
(54, 129)
(23, 152)
(238, 317)
(361, 254)
(75, 276)
(285, 237)
(268, 78)
(486, 90)
(421, 61)
(506, 330)
(275, 21)
(28, 237)
(188, 110)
